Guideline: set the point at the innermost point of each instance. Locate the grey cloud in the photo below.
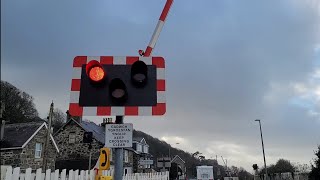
(222, 58)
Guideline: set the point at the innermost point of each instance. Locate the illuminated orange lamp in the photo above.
(95, 71)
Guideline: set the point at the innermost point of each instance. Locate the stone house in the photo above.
(74, 154)
(142, 159)
(23, 145)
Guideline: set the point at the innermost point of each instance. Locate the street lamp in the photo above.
(264, 157)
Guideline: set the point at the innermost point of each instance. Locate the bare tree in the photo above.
(19, 106)
(302, 168)
(234, 170)
(196, 154)
(201, 158)
(58, 119)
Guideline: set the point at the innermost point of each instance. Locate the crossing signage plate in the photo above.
(119, 135)
(164, 162)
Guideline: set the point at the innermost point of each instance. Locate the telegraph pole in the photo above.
(225, 163)
(46, 145)
(264, 157)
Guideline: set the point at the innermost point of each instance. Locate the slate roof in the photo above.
(15, 135)
(137, 138)
(97, 131)
(175, 157)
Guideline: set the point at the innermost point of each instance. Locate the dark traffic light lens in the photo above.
(139, 73)
(118, 91)
(139, 78)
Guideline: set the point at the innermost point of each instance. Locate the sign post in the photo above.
(118, 166)
(118, 136)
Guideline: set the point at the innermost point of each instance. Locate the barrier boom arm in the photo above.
(158, 29)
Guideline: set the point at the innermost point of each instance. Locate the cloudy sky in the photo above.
(228, 63)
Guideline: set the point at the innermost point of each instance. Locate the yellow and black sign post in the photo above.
(104, 164)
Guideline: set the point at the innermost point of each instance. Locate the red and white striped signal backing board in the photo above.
(159, 109)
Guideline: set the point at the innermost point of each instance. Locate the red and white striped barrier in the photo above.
(158, 29)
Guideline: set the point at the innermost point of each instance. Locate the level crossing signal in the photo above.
(118, 86)
(87, 137)
(255, 166)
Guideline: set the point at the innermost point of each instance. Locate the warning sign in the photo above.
(119, 135)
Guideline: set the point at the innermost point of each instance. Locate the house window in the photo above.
(72, 137)
(145, 149)
(139, 148)
(126, 156)
(38, 150)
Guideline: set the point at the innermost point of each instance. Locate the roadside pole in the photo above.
(118, 135)
(164, 164)
(118, 166)
(46, 147)
(90, 154)
(89, 160)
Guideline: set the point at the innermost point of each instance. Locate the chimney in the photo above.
(106, 121)
(68, 115)
(76, 118)
(2, 128)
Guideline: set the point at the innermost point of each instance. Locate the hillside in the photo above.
(159, 148)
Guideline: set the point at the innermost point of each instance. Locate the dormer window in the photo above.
(146, 149)
(139, 147)
(126, 156)
(143, 141)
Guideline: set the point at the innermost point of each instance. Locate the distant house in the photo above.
(143, 160)
(74, 154)
(23, 146)
(180, 166)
